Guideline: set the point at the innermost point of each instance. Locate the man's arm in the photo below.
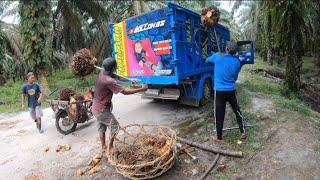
(133, 91)
(117, 88)
(214, 57)
(39, 90)
(40, 97)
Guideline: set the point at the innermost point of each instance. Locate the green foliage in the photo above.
(317, 148)
(285, 28)
(65, 78)
(6, 57)
(308, 68)
(276, 92)
(35, 31)
(10, 99)
(292, 104)
(243, 95)
(259, 84)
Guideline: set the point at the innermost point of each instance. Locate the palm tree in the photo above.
(79, 24)
(291, 24)
(12, 64)
(288, 28)
(35, 32)
(312, 25)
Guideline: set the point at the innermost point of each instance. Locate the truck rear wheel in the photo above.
(206, 93)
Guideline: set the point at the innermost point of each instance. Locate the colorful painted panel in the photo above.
(143, 45)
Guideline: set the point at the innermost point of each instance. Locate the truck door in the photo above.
(245, 52)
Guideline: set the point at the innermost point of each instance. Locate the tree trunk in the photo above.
(269, 56)
(137, 7)
(43, 82)
(293, 66)
(318, 58)
(269, 39)
(225, 152)
(100, 46)
(2, 80)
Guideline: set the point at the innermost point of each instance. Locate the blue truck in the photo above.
(167, 48)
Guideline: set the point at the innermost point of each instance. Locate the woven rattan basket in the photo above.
(140, 137)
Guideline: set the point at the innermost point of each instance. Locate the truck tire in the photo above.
(206, 93)
(63, 124)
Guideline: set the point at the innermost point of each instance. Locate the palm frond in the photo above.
(93, 8)
(3, 6)
(236, 6)
(12, 11)
(13, 37)
(71, 26)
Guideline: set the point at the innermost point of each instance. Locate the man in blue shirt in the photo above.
(32, 91)
(226, 70)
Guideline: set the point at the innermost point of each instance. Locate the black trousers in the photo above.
(220, 100)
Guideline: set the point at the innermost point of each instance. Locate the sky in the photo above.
(226, 5)
(11, 19)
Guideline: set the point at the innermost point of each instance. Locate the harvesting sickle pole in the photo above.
(125, 78)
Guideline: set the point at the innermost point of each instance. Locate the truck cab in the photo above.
(167, 48)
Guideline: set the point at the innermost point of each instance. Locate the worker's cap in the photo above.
(109, 64)
(232, 47)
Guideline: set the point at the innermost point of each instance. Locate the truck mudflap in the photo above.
(165, 93)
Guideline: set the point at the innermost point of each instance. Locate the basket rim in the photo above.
(170, 162)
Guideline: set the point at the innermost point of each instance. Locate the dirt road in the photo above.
(23, 149)
(285, 146)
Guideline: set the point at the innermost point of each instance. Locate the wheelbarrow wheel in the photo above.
(64, 124)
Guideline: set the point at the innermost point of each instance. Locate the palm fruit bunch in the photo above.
(146, 148)
(80, 111)
(83, 62)
(66, 93)
(210, 16)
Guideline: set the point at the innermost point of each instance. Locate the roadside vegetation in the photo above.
(273, 109)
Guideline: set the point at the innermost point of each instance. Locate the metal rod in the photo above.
(231, 128)
(127, 79)
(98, 67)
(53, 92)
(216, 37)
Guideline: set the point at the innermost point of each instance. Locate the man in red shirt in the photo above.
(105, 87)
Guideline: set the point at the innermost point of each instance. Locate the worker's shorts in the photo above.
(36, 112)
(105, 119)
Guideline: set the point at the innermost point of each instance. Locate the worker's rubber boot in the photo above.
(243, 136)
(39, 128)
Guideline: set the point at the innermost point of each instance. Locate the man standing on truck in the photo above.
(226, 70)
(32, 90)
(105, 87)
